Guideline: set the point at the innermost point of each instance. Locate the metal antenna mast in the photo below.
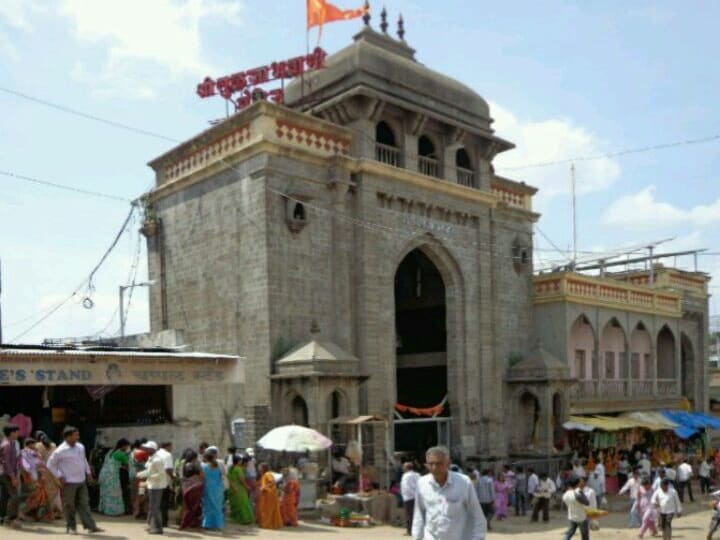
(574, 211)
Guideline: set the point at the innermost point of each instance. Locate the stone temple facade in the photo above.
(356, 247)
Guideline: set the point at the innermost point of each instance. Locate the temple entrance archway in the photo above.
(421, 353)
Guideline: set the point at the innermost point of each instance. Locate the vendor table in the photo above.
(379, 506)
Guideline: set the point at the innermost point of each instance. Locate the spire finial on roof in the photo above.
(401, 28)
(366, 16)
(383, 20)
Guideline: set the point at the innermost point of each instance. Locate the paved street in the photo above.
(692, 526)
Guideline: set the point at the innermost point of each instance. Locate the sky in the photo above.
(564, 80)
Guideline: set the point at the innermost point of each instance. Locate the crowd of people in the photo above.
(40, 481)
(656, 493)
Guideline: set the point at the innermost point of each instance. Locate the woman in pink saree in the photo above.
(502, 490)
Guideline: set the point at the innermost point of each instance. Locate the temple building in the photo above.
(355, 245)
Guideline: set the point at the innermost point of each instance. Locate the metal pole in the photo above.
(652, 266)
(121, 290)
(574, 210)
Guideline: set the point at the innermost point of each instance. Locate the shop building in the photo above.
(110, 392)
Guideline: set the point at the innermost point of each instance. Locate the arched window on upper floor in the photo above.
(386, 148)
(464, 169)
(428, 162)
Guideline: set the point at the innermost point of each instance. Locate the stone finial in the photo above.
(383, 20)
(366, 16)
(401, 28)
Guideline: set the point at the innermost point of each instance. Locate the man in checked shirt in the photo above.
(446, 506)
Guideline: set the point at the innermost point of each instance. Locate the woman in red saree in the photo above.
(267, 511)
(192, 491)
(290, 498)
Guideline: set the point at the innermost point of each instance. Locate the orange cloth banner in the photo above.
(418, 411)
(320, 12)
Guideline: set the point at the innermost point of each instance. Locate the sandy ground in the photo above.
(691, 526)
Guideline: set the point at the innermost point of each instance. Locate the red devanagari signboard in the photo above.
(246, 83)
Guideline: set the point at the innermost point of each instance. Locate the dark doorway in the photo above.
(421, 348)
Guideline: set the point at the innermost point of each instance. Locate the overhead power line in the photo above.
(63, 186)
(617, 153)
(76, 112)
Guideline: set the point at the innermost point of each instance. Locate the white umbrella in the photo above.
(294, 439)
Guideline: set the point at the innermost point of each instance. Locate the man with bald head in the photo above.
(446, 506)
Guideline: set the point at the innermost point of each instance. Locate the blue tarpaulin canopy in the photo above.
(691, 422)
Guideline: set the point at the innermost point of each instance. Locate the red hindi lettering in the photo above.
(280, 70)
(224, 86)
(259, 75)
(244, 100)
(277, 95)
(238, 81)
(206, 88)
(296, 66)
(316, 59)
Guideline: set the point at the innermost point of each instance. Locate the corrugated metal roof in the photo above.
(80, 351)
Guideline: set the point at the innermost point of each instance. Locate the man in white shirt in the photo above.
(575, 500)
(532, 482)
(632, 486)
(69, 465)
(157, 482)
(598, 476)
(408, 488)
(165, 454)
(704, 475)
(684, 477)
(668, 504)
(715, 521)
(543, 492)
(446, 507)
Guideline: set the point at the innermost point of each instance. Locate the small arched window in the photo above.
(464, 169)
(298, 212)
(384, 134)
(386, 150)
(428, 163)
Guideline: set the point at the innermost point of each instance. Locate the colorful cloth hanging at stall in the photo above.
(421, 411)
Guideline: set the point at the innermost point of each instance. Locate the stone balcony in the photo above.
(605, 292)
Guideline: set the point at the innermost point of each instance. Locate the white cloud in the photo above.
(8, 51)
(549, 140)
(18, 13)
(147, 42)
(641, 211)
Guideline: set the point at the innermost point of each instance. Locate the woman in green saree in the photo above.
(240, 508)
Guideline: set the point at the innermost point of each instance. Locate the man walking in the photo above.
(521, 492)
(684, 477)
(575, 500)
(69, 465)
(157, 483)
(408, 489)
(9, 495)
(165, 454)
(632, 486)
(446, 507)
(704, 475)
(543, 492)
(668, 503)
(486, 495)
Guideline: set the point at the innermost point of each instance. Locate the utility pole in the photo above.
(574, 210)
(121, 291)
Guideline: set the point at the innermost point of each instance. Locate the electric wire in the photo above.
(63, 186)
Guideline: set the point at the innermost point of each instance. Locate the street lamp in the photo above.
(122, 290)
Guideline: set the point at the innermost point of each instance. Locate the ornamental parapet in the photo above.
(605, 292)
(512, 193)
(694, 283)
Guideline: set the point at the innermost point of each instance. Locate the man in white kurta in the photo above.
(446, 506)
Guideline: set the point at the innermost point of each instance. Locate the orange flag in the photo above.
(320, 12)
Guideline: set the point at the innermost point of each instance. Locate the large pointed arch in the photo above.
(581, 349)
(613, 351)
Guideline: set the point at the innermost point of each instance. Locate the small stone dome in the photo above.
(385, 67)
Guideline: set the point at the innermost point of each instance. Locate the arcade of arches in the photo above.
(640, 364)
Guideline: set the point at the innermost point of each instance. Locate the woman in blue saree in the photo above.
(213, 502)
